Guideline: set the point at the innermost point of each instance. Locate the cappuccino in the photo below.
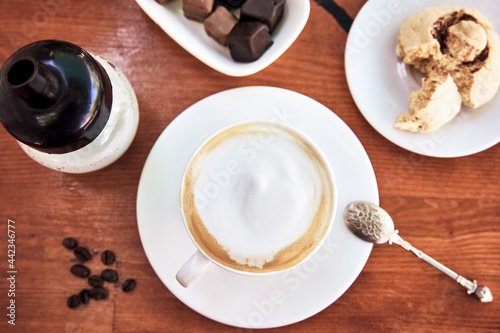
(258, 197)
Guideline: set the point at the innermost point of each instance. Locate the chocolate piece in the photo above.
(229, 4)
(197, 10)
(108, 257)
(69, 243)
(161, 1)
(219, 24)
(267, 11)
(248, 41)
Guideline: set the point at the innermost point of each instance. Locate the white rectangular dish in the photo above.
(191, 35)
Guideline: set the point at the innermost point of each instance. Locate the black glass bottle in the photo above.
(59, 102)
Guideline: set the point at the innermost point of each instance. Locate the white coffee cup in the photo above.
(257, 198)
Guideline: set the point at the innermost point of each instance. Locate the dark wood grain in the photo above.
(449, 208)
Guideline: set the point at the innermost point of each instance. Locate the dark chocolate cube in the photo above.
(267, 11)
(248, 41)
(219, 24)
(229, 4)
(197, 10)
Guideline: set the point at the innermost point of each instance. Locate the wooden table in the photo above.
(448, 207)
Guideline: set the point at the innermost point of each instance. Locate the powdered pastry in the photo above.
(432, 106)
(466, 40)
(455, 41)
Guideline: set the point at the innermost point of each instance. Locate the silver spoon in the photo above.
(373, 224)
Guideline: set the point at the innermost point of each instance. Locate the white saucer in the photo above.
(381, 84)
(237, 300)
(192, 37)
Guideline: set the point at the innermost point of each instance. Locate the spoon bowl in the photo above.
(369, 222)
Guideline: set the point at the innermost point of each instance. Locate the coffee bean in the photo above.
(128, 285)
(84, 296)
(82, 254)
(95, 281)
(69, 243)
(98, 293)
(108, 257)
(109, 275)
(80, 270)
(73, 301)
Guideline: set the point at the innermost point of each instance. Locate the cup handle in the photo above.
(192, 269)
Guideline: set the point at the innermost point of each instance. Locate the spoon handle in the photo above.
(481, 292)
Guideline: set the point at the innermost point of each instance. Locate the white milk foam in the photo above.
(257, 193)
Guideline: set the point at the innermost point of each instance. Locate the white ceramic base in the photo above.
(247, 301)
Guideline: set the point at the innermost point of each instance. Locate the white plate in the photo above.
(254, 302)
(380, 84)
(191, 35)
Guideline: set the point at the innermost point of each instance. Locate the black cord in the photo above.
(337, 12)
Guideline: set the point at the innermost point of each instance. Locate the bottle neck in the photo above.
(35, 83)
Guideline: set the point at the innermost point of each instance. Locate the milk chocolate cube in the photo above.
(197, 10)
(248, 40)
(219, 24)
(267, 11)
